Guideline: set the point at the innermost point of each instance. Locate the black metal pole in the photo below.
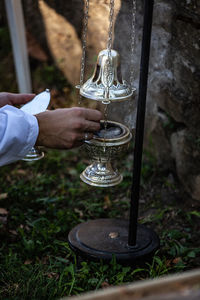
(141, 107)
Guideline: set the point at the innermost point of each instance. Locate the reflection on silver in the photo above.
(103, 152)
(34, 154)
(106, 84)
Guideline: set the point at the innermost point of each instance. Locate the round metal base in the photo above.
(103, 238)
(34, 154)
(101, 175)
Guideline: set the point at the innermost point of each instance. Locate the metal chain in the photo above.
(84, 43)
(109, 47)
(133, 42)
(132, 75)
(110, 30)
(105, 113)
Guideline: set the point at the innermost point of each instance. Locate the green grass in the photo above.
(46, 199)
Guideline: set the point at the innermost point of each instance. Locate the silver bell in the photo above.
(104, 84)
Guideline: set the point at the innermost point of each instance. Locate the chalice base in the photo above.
(34, 154)
(101, 174)
(102, 239)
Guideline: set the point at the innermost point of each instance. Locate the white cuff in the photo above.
(18, 134)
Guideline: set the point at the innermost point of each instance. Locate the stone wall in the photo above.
(174, 85)
(173, 104)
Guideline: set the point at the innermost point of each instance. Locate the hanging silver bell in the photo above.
(106, 84)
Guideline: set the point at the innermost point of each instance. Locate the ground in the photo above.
(41, 202)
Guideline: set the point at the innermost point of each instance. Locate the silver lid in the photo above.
(104, 85)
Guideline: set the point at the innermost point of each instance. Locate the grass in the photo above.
(41, 202)
(44, 200)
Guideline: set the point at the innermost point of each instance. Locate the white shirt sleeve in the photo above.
(18, 134)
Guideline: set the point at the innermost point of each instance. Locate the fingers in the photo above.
(91, 126)
(19, 98)
(67, 128)
(87, 136)
(92, 114)
(77, 139)
(81, 139)
(86, 119)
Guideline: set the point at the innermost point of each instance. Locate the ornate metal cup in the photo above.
(34, 154)
(106, 146)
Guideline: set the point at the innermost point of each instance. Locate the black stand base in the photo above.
(105, 238)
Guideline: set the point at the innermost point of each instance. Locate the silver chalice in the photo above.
(107, 146)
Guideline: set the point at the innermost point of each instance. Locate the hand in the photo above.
(66, 128)
(14, 99)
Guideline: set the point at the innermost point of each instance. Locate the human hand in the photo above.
(66, 128)
(14, 99)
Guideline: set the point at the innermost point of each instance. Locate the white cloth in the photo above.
(18, 134)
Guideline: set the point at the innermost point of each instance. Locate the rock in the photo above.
(187, 161)
(160, 145)
(173, 122)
